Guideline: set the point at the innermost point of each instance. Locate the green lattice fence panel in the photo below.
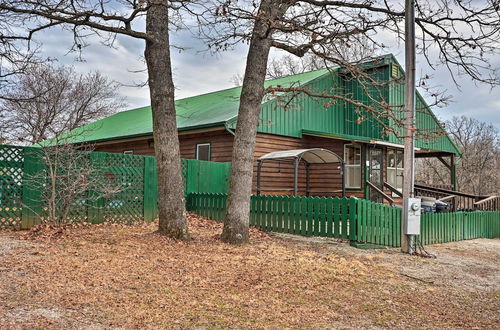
(115, 194)
(118, 187)
(11, 189)
(184, 169)
(80, 163)
(126, 173)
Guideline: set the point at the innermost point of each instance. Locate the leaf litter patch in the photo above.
(129, 276)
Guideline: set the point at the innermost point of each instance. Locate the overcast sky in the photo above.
(197, 71)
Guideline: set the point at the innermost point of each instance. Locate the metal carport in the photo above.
(308, 156)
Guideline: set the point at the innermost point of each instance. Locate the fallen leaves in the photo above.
(127, 275)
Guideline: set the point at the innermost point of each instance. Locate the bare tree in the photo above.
(478, 168)
(463, 34)
(14, 57)
(237, 80)
(289, 64)
(46, 101)
(107, 20)
(40, 101)
(70, 181)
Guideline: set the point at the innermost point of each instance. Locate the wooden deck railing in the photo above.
(491, 203)
(393, 189)
(459, 200)
(381, 192)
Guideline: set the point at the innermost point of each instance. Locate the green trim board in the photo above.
(282, 114)
(346, 137)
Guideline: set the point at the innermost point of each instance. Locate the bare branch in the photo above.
(47, 101)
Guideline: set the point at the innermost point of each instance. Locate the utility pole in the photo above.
(409, 123)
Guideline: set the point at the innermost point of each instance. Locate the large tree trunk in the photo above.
(171, 208)
(240, 189)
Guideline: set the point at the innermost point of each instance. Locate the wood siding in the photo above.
(277, 178)
(221, 145)
(324, 178)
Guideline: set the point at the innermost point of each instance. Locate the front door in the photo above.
(376, 173)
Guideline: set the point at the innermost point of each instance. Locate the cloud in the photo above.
(470, 98)
(197, 71)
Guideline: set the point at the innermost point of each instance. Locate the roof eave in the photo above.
(147, 134)
(345, 137)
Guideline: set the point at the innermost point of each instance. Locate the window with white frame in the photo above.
(352, 163)
(203, 151)
(395, 168)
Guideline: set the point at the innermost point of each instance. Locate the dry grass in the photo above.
(126, 276)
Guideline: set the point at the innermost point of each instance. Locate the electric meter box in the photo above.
(412, 210)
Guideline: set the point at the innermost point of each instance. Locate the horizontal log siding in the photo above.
(221, 145)
(328, 177)
(139, 147)
(274, 176)
(323, 177)
(220, 148)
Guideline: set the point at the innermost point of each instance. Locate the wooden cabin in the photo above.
(372, 158)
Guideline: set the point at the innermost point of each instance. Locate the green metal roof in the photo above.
(303, 113)
(206, 110)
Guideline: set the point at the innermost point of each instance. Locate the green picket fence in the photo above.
(451, 227)
(22, 180)
(308, 216)
(355, 219)
(378, 224)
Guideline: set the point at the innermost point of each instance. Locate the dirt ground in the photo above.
(127, 276)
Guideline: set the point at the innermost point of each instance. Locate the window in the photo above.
(129, 152)
(352, 162)
(203, 151)
(395, 168)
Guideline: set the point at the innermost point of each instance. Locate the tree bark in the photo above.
(171, 206)
(236, 224)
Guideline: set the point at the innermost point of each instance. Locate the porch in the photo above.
(372, 171)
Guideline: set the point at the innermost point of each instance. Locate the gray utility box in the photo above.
(411, 216)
